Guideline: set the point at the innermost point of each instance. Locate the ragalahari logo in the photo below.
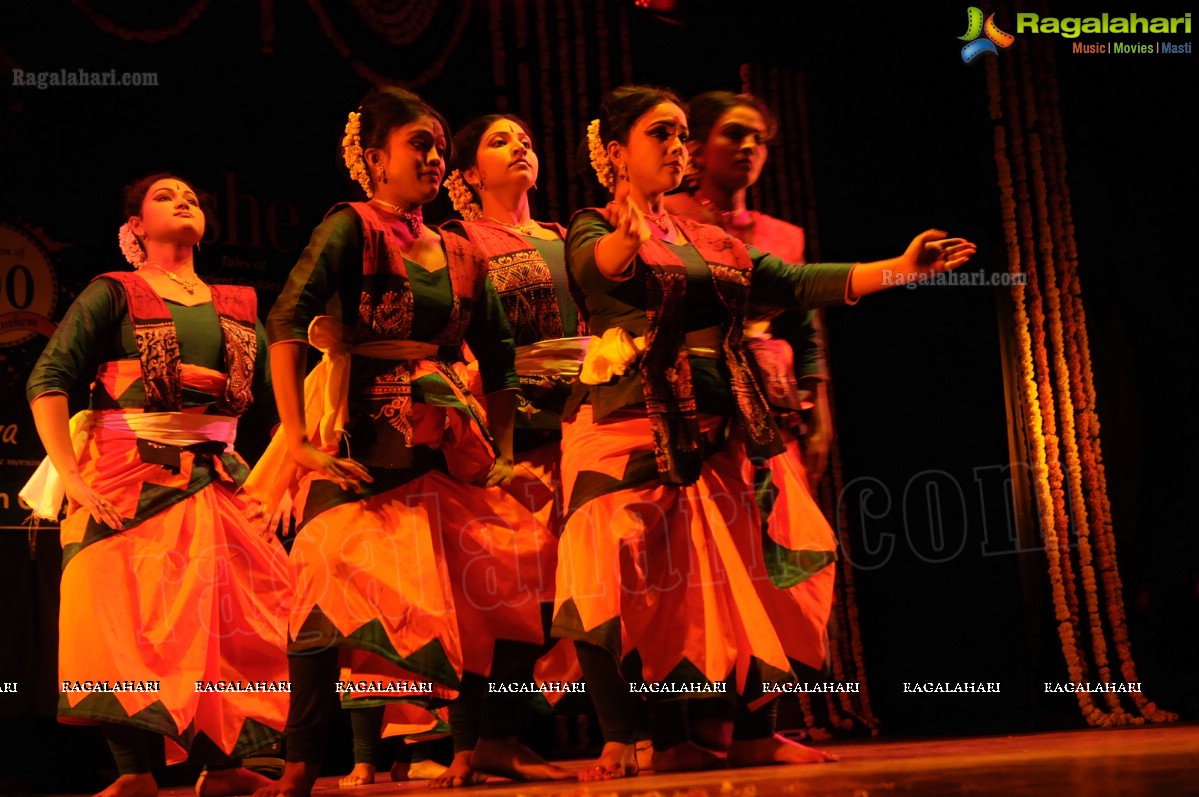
(994, 40)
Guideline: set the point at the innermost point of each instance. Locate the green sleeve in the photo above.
(586, 228)
(334, 249)
(490, 338)
(82, 341)
(803, 331)
(776, 283)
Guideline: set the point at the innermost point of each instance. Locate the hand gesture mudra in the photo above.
(625, 218)
(933, 251)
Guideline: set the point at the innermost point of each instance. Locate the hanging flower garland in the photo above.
(378, 78)
(1060, 389)
(151, 36)
(398, 27)
(1092, 478)
(1032, 178)
(1028, 383)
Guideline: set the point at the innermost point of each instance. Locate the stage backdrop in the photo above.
(250, 100)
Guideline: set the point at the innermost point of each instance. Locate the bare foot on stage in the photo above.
(417, 770)
(618, 760)
(227, 782)
(142, 785)
(774, 750)
(360, 775)
(686, 757)
(297, 780)
(508, 758)
(459, 773)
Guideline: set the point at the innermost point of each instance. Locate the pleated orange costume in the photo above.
(664, 551)
(188, 592)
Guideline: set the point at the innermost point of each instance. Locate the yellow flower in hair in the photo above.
(599, 156)
(351, 151)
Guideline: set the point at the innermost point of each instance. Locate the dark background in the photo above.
(900, 142)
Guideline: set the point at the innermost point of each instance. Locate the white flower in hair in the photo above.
(131, 247)
(461, 197)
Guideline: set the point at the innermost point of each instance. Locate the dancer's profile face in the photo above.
(735, 152)
(413, 160)
(170, 212)
(504, 158)
(656, 155)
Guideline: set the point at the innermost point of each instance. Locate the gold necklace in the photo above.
(188, 285)
(412, 218)
(523, 227)
(662, 222)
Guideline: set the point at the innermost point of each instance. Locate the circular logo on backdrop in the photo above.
(28, 287)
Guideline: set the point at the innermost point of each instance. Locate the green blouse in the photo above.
(608, 303)
(329, 280)
(96, 329)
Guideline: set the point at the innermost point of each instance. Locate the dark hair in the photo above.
(134, 194)
(466, 142)
(385, 108)
(705, 110)
(622, 108)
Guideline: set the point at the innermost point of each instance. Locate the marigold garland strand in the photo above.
(1057, 386)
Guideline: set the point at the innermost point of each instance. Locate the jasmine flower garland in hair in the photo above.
(461, 196)
(599, 156)
(131, 247)
(351, 150)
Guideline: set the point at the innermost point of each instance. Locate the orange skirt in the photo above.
(662, 570)
(792, 563)
(190, 594)
(426, 575)
(537, 484)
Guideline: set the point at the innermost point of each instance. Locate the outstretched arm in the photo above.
(930, 252)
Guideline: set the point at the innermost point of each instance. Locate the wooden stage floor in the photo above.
(1152, 761)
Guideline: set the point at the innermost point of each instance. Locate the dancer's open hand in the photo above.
(933, 251)
(501, 473)
(345, 473)
(101, 509)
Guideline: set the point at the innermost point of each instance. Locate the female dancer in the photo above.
(495, 167)
(729, 133)
(402, 553)
(662, 527)
(157, 544)
(728, 149)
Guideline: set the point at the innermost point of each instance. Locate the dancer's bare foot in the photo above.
(360, 775)
(459, 773)
(417, 770)
(297, 780)
(685, 757)
(774, 750)
(510, 759)
(617, 760)
(142, 785)
(228, 782)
